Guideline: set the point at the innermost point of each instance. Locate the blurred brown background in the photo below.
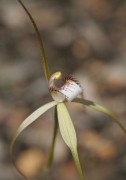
(86, 38)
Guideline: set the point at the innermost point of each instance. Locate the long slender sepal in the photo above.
(44, 61)
(100, 109)
(51, 151)
(30, 119)
(69, 135)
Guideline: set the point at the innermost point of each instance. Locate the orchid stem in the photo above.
(51, 151)
(44, 61)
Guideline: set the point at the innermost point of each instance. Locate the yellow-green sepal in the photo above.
(69, 135)
(29, 120)
(100, 108)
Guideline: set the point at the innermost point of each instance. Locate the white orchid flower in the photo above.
(69, 90)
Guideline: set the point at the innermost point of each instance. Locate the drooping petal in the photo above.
(30, 119)
(68, 134)
(100, 109)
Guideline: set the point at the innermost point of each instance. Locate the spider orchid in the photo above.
(67, 92)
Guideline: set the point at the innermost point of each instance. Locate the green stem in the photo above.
(44, 61)
(51, 151)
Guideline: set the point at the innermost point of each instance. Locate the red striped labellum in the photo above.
(64, 88)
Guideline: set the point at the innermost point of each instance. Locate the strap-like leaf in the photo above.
(68, 134)
(44, 61)
(30, 119)
(100, 109)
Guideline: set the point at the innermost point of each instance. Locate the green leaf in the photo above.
(68, 134)
(100, 109)
(44, 61)
(30, 119)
